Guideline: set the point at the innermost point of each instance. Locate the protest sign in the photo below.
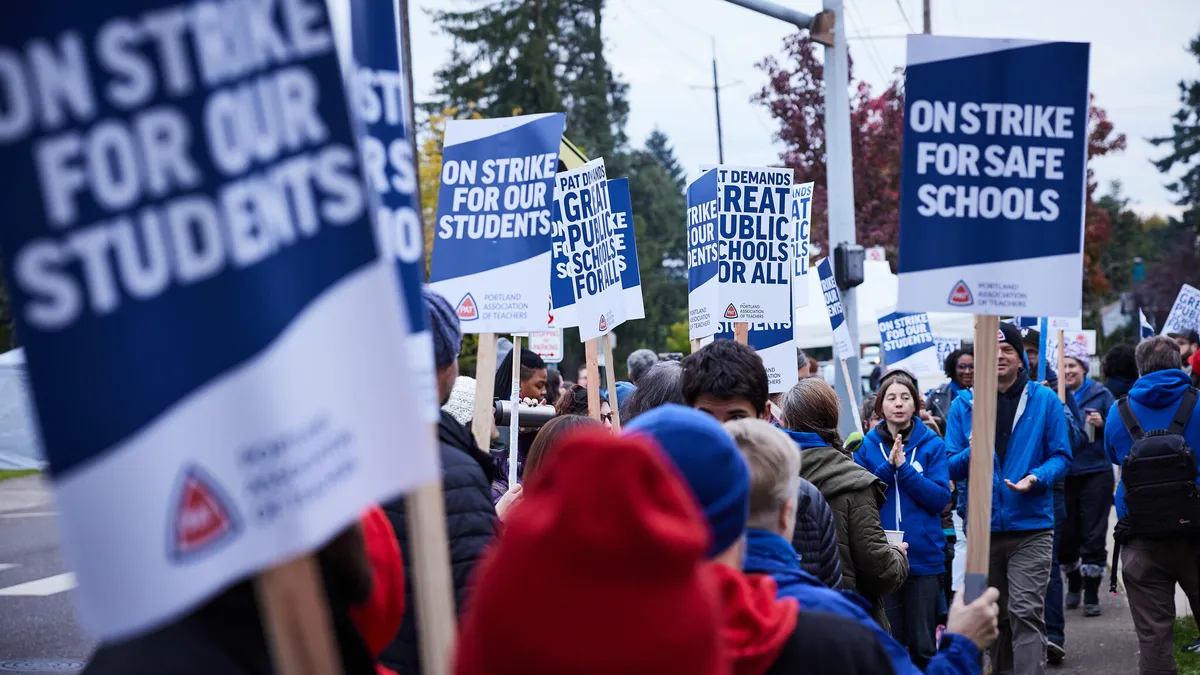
(1086, 338)
(491, 247)
(547, 344)
(382, 106)
(801, 231)
(992, 176)
(945, 346)
(775, 345)
(754, 230)
(1185, 313)
(843, 348)
(201, 296)
(703, 258)
(1145, 330)
(587, 275)
(907, 343)
(627, 258)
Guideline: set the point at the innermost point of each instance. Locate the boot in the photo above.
(1074, 583)
(1091, 596)
(1055, 653)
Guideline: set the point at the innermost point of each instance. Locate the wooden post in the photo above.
(612, 382)
(741, 332)
(485, 382)
(433, 589)
(296, 619)
(695, 345)
(983, 436)
(514, 415)
(850, 387)
(591, 353)
(1062, 381)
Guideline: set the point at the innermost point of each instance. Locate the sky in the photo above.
(664, 50)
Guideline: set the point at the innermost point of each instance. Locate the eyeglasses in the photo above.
(606, 417)
(965, 367)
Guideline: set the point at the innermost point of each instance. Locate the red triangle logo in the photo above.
(202, 518)
(467, 310)
(960, 295)
(603, 323)
(731, 312)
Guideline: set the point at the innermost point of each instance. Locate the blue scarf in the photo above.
(1082, 390)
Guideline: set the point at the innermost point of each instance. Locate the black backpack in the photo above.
(1162, 500)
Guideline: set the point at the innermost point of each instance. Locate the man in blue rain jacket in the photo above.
(1032, 451)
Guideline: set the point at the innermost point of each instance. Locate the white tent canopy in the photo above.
(20, 443)
(877, 292)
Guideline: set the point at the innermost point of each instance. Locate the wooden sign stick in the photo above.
(741, 332)
(433, 589)
(695, 345)
(983, 436)
(1062, 381)
(850, 387)
(296, 618)
(514, 455)
(611, 370)
(591, 354)
(485, 382)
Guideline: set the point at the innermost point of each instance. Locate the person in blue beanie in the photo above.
(1089, 487)
(774, 464)
(1153, 565)
(1032, 451)
(762, 633)
(910, 459)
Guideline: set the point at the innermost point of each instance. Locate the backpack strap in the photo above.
(1131, 423)
(1187, 403)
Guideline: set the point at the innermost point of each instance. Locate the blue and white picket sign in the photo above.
(703, 251)
(754, 232)
(211, 330)
(383, 105)
(907, 343)
(802, 194)
(945, 346)
(776, 346)
(1145, 330)
(843, 348)
(627, 257)
(491, 246)
(586, 280)
(1185, 313)
(992, 176)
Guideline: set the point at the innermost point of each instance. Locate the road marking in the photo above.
(29, 514)
(6, 566)
(42, 587)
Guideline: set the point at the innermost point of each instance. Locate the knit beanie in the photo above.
(583, 583)
(443, 324)
(1078, 351)
(461, 404)
(1012, 335)
(710, 462)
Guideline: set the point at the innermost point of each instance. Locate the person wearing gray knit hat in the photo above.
(447, 340)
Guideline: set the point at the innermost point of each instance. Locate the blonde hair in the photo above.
(774, 463)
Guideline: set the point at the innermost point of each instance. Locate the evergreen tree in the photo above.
(1184, 143)
(596, 101)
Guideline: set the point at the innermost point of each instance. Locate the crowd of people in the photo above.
(727, 530)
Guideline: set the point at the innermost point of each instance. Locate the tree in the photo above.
(1184, 143)
(596, 101)
(795, 97)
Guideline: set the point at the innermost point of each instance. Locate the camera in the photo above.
(531, 417)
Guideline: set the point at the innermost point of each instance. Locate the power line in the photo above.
(872, 55)
(900, 6)
(658, 38)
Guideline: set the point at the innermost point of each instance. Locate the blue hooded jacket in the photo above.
(1039, 445)
(1090, 457)
(770, 554)
(1153, 399)
(917, 492)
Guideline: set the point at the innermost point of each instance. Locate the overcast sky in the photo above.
(663, 49)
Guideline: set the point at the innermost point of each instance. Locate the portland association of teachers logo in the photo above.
(202, 518)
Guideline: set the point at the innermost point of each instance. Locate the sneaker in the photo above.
(1193, 648)
(1091, 610)
(1055, 653)
(1073, 598)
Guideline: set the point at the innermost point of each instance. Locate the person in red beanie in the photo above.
(584, 583)
(378, 619)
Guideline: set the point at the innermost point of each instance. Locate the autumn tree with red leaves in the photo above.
(795, 97)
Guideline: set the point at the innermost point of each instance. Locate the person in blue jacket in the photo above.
(1031, 451)
(774, 469)
(910, 459)
(1089, 488)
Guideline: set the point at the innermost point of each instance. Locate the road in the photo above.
(38, 633)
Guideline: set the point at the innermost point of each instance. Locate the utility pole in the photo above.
(928, 28)
(717, 100)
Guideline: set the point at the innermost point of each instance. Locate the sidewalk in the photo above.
(24, 493)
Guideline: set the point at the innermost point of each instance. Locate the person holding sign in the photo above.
(911, 461)
(1032, 450)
